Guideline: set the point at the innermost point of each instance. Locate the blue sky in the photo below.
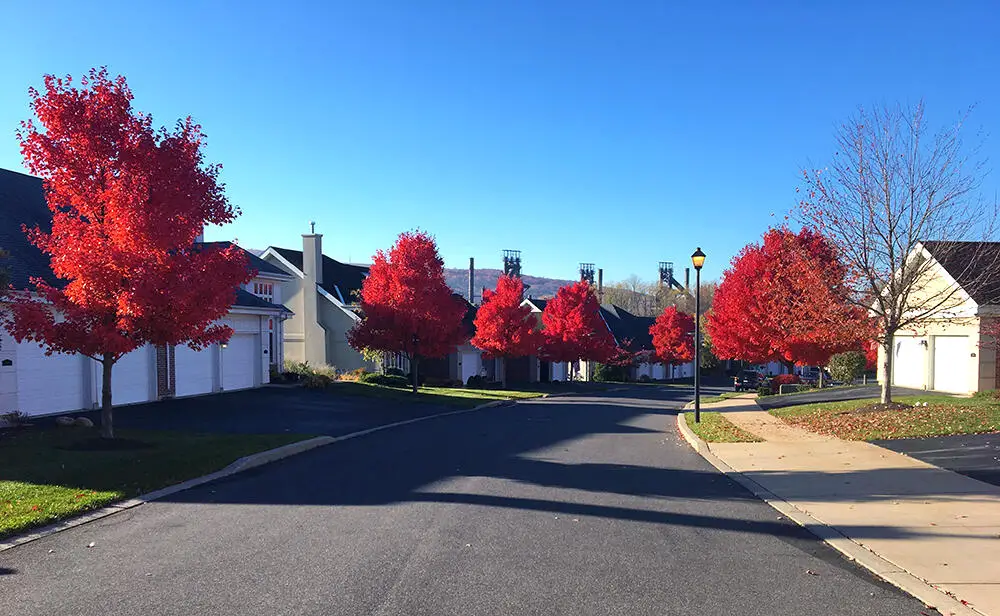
(619, 133)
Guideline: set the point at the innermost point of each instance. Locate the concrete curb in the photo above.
(884, 569)
(243, 464)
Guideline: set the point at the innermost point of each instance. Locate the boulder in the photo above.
(64, 421)
(83, 422)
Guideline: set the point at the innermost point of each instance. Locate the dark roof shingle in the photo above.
(346, 277)
(974, 265)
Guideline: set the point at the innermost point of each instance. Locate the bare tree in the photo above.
(898, 202)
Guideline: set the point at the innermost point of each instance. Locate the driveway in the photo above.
(833, 394)
(577, 505)
(975, 455)
(269, 410)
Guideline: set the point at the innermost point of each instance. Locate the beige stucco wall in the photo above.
(981, 359)
(339, 353)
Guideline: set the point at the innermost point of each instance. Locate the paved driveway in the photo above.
(975, 455)
(566, 506)
(269, 410)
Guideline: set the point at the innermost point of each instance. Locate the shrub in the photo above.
(354, 375)
(316, 381)
(476, 382)
(784, 379)
(395, 372)
(845, 367)
(987, 394)
(437, 381)
(385, 380)
(297, 367)
(644, 378)
(606, 373)
(764, 390)
(14, 418)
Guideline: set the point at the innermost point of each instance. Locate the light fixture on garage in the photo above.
(224, 344)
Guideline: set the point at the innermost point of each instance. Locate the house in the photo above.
(626, 328)
(39, 384)
(322, 294)
(951, 350)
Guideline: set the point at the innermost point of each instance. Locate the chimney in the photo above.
(687, 278)
(600, 285)
(312, 256)
(472, 280)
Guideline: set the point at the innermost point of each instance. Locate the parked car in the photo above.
(747, 380)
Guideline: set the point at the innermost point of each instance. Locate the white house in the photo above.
(39, 384)
(951, 350)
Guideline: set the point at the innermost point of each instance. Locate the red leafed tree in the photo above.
(406, 304)
(786, 300)
(573, 326)
(127, 204)
(505, 328)
(673, 336)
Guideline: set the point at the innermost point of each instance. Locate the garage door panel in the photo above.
(909, 362)
(951, 364)
(194, 370)
(48, 383)
(131, 377)
(239, 360)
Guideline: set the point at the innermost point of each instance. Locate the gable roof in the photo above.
(22, 202)
(254, 261)
(965, 262)
(626, 326)
(341, 280)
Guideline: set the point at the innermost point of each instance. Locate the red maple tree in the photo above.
(127, 204)
(574, 328)
(407, 306)
(673, 336)
(785, 300)
(505, 328)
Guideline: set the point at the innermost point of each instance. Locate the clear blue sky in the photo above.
(620, 133)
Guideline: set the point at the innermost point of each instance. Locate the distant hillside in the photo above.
(458, 280)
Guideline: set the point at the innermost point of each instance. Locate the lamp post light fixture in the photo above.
(697, 260)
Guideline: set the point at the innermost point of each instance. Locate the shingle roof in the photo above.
(974, 265)
(22, 202)
(253, 260)
(626, 326)
(346, 277)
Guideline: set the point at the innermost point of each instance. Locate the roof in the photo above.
(262, 266)
(538, 303)
(341, 280)
(974, 265)
(22, 202)
(626, 326)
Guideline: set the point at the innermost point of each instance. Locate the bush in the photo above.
(481, 382)
(316, 381)
(845, 367)
(987, 394)
(303, 368)
(764, 390)
(606, 373)
(354, 375)
(784, 379)
(395, 372)
(385, 380)
(644, 378)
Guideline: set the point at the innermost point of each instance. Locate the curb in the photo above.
(912, 585)
(243, 464)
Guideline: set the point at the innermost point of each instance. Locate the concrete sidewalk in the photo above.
(936, 525)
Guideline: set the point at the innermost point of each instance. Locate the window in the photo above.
(264, 290)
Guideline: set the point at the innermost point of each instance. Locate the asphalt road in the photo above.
(570, 505)
(833, 394)
(975, 455)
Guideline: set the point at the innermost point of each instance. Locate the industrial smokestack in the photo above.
(687, 278)
(600, 285)
(472, 280)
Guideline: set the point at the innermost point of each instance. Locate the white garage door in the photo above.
(909, 362)
(239, 361)
(951, 364)
(194, 370)
(49, 383)
(131, 377)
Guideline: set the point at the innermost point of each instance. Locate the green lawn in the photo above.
(715, 428)
(850, 420)
(445, 396)
(725, 396)
(43, 479)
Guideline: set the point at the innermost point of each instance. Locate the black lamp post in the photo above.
(697, 259)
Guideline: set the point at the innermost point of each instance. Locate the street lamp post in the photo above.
(697, 259)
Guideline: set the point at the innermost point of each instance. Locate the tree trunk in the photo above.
(789, 366)
(820, 377)
(107, 419)
(887, 370)
(503, 377)
(414, 364)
